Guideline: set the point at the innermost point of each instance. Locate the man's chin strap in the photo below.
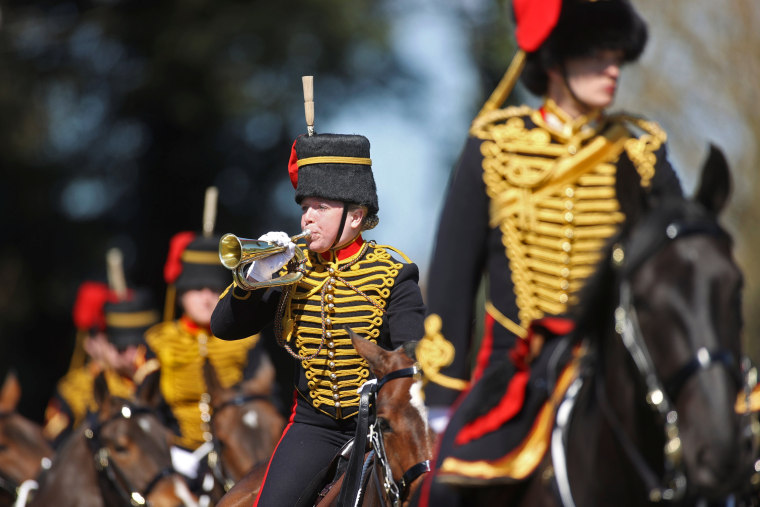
(340, 227)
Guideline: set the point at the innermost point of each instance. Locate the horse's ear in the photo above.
(10, 393)
(715, 182)
(374, 354)
(213, 384)
(100, 389)
(149, 390)
(262, 381)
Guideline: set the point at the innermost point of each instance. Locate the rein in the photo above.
(660, 395)
(108, 470)
(356, 471)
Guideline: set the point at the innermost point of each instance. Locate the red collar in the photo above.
(345, 252)
(192, 326)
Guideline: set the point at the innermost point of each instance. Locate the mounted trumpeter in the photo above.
(336, 281)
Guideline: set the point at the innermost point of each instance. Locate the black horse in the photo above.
(645, 413)
(652, 417)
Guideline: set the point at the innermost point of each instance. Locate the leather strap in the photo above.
(352, 481)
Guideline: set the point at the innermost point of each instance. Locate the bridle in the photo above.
(358, 467)
(660, 395)
(214, 459)
(107, 470)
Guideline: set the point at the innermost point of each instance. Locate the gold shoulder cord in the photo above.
(641, 150)
(435, 352)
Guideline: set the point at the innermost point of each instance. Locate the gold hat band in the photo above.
(201, 257)
(132, 319)
(334, 160)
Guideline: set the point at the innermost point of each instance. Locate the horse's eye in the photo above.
(384, 425)
(3, 447)
(120, 448)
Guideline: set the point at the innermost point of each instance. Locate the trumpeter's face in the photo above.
(322, 218)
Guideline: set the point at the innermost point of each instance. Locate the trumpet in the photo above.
(236, 254)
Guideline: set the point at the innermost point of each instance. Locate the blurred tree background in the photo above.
(116, 115)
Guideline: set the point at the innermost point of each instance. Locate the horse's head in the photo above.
(678, 312)
(400, 409)
(24, 451)
(131, 448)
(245, 424)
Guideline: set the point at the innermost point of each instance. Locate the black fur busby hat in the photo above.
(128, 319)
(583, 27)
(200, 266)
(334, 166)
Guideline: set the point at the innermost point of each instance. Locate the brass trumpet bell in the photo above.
(236, 254)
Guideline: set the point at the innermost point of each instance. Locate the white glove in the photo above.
(263, 269)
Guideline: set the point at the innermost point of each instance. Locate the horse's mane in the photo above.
(640, 235)
(410, 349)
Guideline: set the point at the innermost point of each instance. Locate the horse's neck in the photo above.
(71, 481)
(609, 403)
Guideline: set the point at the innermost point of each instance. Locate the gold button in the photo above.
(331, 354)
(331, 344)
(328, 322)
(333, 376)
(564, 285)
(567, 247)
(337, 404)
(569, 217)
(569, 205)
(569, 192)
(572, 149)
(564, 272)
(563, 298)
(569, 233)
(331, 364)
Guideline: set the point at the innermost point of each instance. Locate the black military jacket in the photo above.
(368, 291)
(530, 205)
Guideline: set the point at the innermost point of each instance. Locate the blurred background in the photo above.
(116, 115)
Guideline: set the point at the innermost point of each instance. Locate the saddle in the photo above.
(503, 426)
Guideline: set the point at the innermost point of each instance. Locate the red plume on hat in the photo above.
(293, 165)
(88, 307)
(177, 245)
(534, 22)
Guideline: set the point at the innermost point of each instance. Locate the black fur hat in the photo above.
(583, 27)
(201, 266)
(127, 320)
(336, 167)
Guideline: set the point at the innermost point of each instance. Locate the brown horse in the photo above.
(118, 456)
(653, 419)
(24, 451)
(245, 425)
(400, 440)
